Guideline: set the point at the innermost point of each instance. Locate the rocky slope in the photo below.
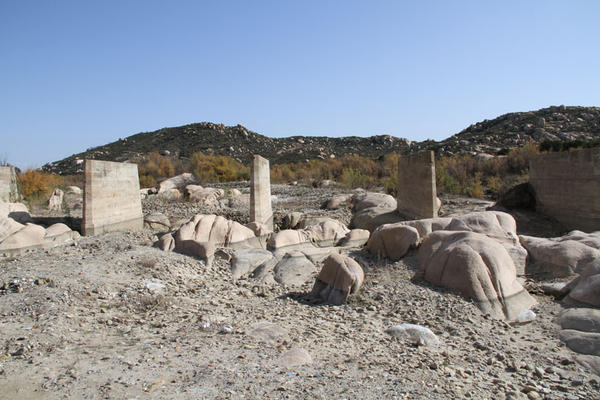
(510, 130)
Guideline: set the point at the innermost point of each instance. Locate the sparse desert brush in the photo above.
(147, 181)
(466, 175)
(36, 186)
(156, 166)
(72, 180)
(148, 262)
(209, 168)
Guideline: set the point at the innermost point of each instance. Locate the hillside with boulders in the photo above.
(497, 136)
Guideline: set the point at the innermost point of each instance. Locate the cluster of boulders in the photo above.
(288, 257)
(18, 233)
(575, 256)
(477, 254)
(581, 333)
(184, 187)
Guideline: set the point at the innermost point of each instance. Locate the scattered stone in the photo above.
(294, 358)
(268, 332)
(415, 334)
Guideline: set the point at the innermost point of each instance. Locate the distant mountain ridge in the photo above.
(556, 123)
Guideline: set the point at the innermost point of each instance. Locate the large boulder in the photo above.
(339, 277)
(580, 319)
(245, 261)
(171, 194)
(30, 235)
(496, 225)
(581, 342)
(203, 233)
(372, 210)
(16, 211)
(294, 269)
(355, 238)
(204, 196)
(585, 290)
(563, 256)
(325, 234)
(288, 238)
(74, 190)
(364, 200)
(291, 220)
(393, 241)
(15, 238)
(338, 201)
(178, 182)
(477, 267)
(157, 222)
(258, 228)
(8, 226)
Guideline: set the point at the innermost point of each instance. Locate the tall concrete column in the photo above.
(260, 192)
(417, 192)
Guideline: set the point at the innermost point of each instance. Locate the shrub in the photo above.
(147, 181)
(209, 168)
(36, 186)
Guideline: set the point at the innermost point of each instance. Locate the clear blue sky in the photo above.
(77, 74)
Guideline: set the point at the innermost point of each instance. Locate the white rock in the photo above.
(416, 334)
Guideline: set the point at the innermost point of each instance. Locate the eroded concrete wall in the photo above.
(567, 187)
(111, 198)
(417, 193)
(9, 191)
(260, 192)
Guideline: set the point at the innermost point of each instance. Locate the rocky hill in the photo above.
(557, 123)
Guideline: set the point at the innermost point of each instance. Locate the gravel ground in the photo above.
(111, 317)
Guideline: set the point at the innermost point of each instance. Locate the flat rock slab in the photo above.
(268, 332)
(592, 363)
(581, 342)
(580, 319)
(294, 269)
(244, 262)
(294, 358)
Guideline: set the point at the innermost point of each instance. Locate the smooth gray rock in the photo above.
(581, 342)
(294, 269)
(581, 319)
(244, 262)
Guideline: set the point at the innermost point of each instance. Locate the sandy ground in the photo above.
(111, 317)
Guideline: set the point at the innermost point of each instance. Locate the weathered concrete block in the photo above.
(260, 192)
(111, 198)
(417, 193)
(9, 192)
(567, 187)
